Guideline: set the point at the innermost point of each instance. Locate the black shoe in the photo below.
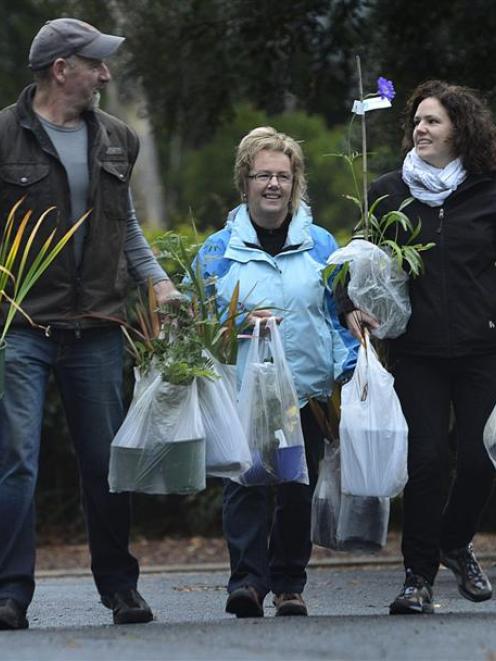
(128, 607)
(245, 602)
(414, 598)
(12, 615)
(473, 582)
(290, 603)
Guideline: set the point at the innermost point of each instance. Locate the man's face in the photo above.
(83, 81)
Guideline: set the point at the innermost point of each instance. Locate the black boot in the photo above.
(245, 602)
(128, 607)
(12, 615)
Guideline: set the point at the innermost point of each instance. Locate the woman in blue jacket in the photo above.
(272, 248)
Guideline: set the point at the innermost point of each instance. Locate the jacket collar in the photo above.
(243, 232)
(29, 120)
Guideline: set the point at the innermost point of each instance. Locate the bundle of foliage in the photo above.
(217, 326)
(168, 340)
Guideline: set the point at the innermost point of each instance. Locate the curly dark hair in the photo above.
(475, 131)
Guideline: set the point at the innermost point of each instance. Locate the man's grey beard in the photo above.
(95, 101)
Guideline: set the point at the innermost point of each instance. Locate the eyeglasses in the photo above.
(283, 178)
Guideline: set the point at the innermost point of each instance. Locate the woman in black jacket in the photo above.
(446, 359)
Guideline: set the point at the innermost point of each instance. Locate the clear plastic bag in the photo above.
(227, 451)
(342, 522)
(326, 500)
(160, 446)
(373, 431)
(377, 285)
(270, 414)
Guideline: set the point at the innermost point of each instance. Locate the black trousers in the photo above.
(428, 389)
(273, 557)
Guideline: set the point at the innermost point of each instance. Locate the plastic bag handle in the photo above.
(276, 347)
(254, 352)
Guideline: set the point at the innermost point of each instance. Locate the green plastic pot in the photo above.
(168, 468)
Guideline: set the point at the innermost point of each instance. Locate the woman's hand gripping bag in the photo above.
(373, 431)
(270, 414)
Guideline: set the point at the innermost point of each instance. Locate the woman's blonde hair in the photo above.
(266, 137)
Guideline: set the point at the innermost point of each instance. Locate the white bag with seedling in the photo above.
(377, 285)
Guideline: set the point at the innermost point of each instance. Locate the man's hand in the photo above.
(358, 320)
(166, 293)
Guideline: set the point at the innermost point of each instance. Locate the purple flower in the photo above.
(385, 88)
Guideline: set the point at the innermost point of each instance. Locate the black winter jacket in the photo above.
(454, 300)
(30, 167)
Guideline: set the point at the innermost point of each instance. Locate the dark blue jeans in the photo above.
(88, 371)
(273, 557)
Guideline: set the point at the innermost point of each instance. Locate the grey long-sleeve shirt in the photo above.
(72, 147)
(141, 262)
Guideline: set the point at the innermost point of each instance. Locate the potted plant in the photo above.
(218, 327)
(20, 270)
(160, 447)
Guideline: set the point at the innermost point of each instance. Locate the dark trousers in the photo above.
(273, 557)
(428, 389)
(88, 371)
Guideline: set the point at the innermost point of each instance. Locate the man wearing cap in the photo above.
(58, 149)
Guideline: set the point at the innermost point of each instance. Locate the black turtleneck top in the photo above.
(272, 240)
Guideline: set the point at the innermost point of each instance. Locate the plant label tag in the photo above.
(375, 103)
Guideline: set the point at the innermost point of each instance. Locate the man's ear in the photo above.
(59, 69)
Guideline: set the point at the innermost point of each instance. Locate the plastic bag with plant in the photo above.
(270, 414)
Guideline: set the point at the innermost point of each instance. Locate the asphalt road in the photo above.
(348, 620)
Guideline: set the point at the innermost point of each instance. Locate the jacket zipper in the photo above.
(443, 274)
(441, 218)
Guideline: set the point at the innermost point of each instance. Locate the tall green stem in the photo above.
(365, 203)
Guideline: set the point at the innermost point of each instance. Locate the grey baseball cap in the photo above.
(64, 37)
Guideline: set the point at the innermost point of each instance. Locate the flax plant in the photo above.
(18, 272)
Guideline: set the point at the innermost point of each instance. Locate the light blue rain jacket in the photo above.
(318, 349)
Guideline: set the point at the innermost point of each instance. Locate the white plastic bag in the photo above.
(377, 285)
(270, 414)
(229, 377)
(373, 431)
(160, 446)
(227, 451)
(342, 522)
(490, 436)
